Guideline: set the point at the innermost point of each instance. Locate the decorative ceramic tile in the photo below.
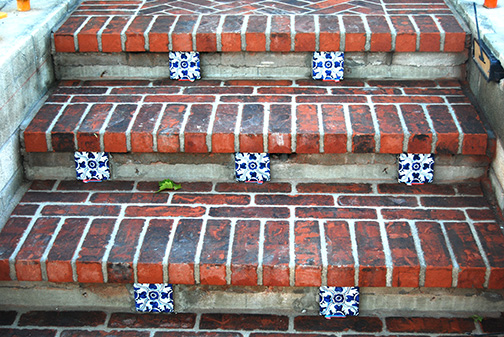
(152, 297)
(328, 66)
(92, 166)
(416, 168)
(185, 66)
(339, 301)
(252, 167)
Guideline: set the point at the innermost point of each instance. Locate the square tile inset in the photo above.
(152, 297)
(252, 167)
(92, 166)
(328, 66)
(416, 169)
(339, 301)
(185, 66)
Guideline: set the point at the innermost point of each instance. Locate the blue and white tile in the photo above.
(153, 297)
(328, 66)
(416, 169)
(185, 66)
(92, 166)
(252, 167)
(339, 301)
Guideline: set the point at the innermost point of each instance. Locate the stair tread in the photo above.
(281, 234)
(351, 26)
(283, 116)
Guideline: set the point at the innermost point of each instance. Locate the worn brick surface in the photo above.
(428, 324)
(62, 318)
(243, 322)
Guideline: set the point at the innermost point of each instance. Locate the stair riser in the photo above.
(204, 167)
(262, 300)
(264, 65)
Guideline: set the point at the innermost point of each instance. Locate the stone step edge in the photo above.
(294, 33)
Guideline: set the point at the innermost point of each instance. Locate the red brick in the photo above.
(340, 263)
(376, 201)
(195, 131)
(182, 33)
(492, 241)
(10, 236)
(455, 36)
(307, 129)
(352, 323)
(224, 127)
(120, 259)
(25, 210)
(111, 35)
(420, 140)
(472, 267)
(168, 134)
(255, 36)
(88, 262)
(152, 252)
(214, 252)
(280, 38)
(391, 131)
(153, 186)
(231, 33)
(63, 318)
(335, 213)
(114, 139)
(250, 212)
(206, 39)
(406, 34)
(135, 40)
(243, 322)
(62, 133)
(438, 272)
(475, 136)
(305, 33)
(480, 214)
(372, 269)
(254, 188)
(245, 253)
(307, 250)
(80, 210)
(446, 130)
(430, 36)
(88, 35)
(158, 34)
(422, 214)
(106, 99)
(143, 128)
(115, 83)
(335, 130)
(429, 325)
(280, 129)
(149, 321)
(416, 189)
(88, 134)
(381, 37)
(276, 254)
(251, 128)
(329, 36)
(54, 197)
(454, 202)
(408, 99)
(363, 131)
(197, 334)
(406, 266)
(164, 211)
(28, 266)
(216, 90)
(58, 264)
(300, 199)
(183, 251)
(333, 188)
(355, 33)
(330, 99)
(129, 198)
(64, 37)
(42, 185)
(108, 185)
(210, 199)
(101, 333)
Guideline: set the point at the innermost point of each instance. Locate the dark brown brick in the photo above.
(63, 318)
(62, 133)
(153, 186)
(129, 198)
(101, 333)
(250, 212)
(492, 240)
(196, 128)
(114, 139)
(416, 189)
(300, 199)
(243, 322)
(7, 317)
(54, 197)
(223, 128)
(80, 210)
(372, 269)
(475, 136)
(210, 199)
(147, 321)
(454, 202)
(245, 255)
(9, 239)
(335, 213)
(28, 332)
(429, 325)
(214, 252)
(251, 128)
(493, 325)
(376, 201)
(254, 188)
(276, 255)
(333, 188)
(197, 334)
(280, 129)
(422, 214)
(319, 323)
(183, 251)
(88, 138)
(446, 129)
(170, 127)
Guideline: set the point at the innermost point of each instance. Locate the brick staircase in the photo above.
(333, 213)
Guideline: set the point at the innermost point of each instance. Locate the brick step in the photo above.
(276, 234)
(213, 26)
(302, 116)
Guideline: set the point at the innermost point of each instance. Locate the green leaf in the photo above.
(477, 318)
(167, 184)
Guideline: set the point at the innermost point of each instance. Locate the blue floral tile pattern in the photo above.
(92, 166)
(328, 66)
(339, 301)
(252, 167)
(185, 66)
(416, 168)
(153, 297)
